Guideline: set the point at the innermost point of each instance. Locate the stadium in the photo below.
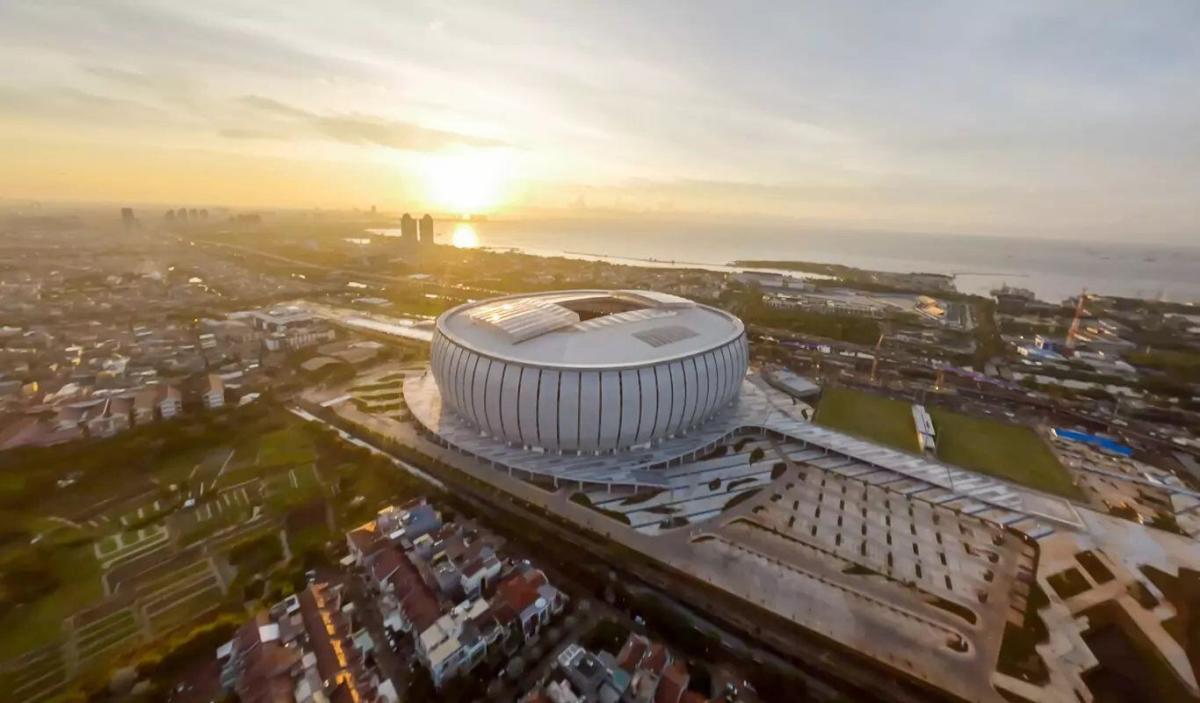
(587, 371)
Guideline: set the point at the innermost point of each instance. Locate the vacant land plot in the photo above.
(870, 416)
(1012, 452)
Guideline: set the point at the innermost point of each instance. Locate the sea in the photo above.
(1053, 269)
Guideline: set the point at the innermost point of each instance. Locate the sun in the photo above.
(468, 182)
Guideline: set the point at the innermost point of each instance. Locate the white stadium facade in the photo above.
(622, 391)
(588, 371)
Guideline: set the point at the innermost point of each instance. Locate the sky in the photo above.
(1032, 118)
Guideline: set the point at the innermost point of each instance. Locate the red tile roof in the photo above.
(364, 538)
(319, 638)
(672, 684)
(417, 599)
(631, 653)
(386, 564)
(519, 591)
(656, 659)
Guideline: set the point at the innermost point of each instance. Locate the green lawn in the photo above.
(177, 467)
(204, 462)
(1012, 452)
(873, 417)
(295, 486)
(1008, 451)
(290, 445)
(40, 622)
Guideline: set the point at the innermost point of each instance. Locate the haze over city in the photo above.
(1072, 120)
(390, 351)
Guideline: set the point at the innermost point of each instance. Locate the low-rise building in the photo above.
(301, 650)
(145, 403)
(525, 601)
(643, 672)
(300, 338)
(171, 402)
(455, 643)
(213, 393)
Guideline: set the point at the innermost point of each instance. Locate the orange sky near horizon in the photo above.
(1016, 118)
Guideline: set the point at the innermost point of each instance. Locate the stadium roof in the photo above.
(589, 328)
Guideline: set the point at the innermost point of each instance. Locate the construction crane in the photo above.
(1074, 331)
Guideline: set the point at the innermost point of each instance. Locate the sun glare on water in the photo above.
(468, 182)
(464, 236)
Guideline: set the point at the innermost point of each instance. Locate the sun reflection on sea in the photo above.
(464, 236)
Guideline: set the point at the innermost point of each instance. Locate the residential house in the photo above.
(479, 571)
(77, 414)
(171, 403)
(120, 413)
(643, 672)
(302, 650)
(586, 672)
(672, 683)
(406, 523)
(101, 417)
(145, 403)
(632, 651)
(363, 542)
(525, 601)
(214, 392)
(454, 644)
(407, 602)
(395, 525)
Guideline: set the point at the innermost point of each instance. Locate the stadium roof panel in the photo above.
(589, 328)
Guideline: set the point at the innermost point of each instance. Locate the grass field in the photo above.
(275, 461)
(40, 622)
(287, 446)
(297, 485)
(1003, 450)
(1012, 452)
(873, 417)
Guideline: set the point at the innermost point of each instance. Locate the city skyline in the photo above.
(1063, 121)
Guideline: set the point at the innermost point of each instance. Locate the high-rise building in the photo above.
(127, 218)
(408, 229)
(426, 229)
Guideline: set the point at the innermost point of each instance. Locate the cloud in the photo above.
(58, 102)
(258, 102)
(359, 129)
(243, 133)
